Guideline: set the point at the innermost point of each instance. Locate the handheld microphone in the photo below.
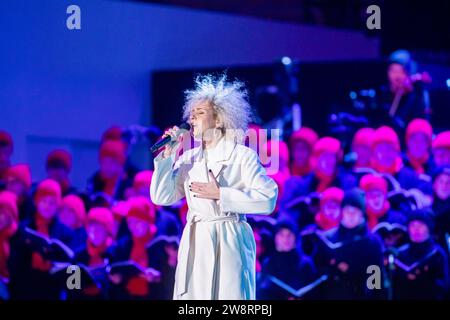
(163, 141)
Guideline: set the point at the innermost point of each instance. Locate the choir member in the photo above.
(345, 253)
(418, 139)
(387, 160)
(9, 223)
(6, 150)
(362, 148)
(301, 144)
(288, 264)
(58, 167)
(166, 221)
(137, 248)
(72, 214)
(329, 215)
(441, 149)
(18, 181)
(116, 133)
(441, 205)
(377, 204)
(94, 254)
(35, 280)
(112, 179)
(421, 266)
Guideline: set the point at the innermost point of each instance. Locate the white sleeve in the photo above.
(259, 195)
(166, 187)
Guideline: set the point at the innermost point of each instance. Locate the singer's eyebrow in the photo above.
(201, 108)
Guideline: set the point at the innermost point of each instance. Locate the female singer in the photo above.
(222, 181)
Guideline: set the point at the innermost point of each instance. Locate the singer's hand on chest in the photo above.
(206, 190)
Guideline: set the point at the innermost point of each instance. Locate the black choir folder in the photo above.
(128, 269)
(389, 227)
(408, 268)
(301, 291)
(51, 248)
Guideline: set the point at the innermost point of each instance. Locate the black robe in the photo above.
(293, 268)
(27, 283)
(121, 252)
(97, 273)
(428, 275)
(359, 249)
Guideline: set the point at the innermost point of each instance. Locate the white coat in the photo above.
(216, 257)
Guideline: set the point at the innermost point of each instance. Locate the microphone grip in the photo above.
(160, 143)
(163, 141)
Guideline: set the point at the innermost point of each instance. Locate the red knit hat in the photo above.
(373, 181)
(327, 144)
(143, 179)
(6, 139)
(442, 140)
(120, 209)
(419, 125)
(388, 135)
(8, 200)
(48, 187)
(142, 208)
(20, 172)
(364, 136)
(305, 134)
(75, 203)
(112, 133)
(333, 193)
(59, 158)
(103, 216)
(114, 149)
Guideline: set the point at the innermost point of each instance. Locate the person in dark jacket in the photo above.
(287, 264)
(403, 99)
(421, 266)
(347, 251)
(164, 253)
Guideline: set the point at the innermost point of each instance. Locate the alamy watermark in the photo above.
(73, 21)
(74, 280)
(374, 20)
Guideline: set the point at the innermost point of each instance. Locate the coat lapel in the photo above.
(219, 156)
(217, 161)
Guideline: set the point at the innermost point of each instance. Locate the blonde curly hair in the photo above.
(228, 100)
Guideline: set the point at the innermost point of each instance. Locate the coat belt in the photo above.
(186, 257)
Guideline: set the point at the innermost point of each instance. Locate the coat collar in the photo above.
(221, 152)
